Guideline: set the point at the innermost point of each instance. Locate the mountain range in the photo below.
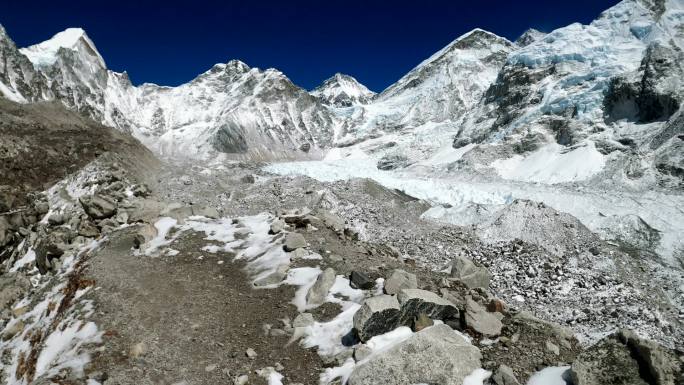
(609, 92)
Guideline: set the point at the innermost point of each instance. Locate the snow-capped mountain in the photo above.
(528, 37)
(343, 91)
(230, 109)
(564, 93)
(439, 89)
(608, 92)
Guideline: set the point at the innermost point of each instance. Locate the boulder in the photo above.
(305, 147)
(277, 226)
(41, 207)
(274, 278)
(478, 319)
(504, 376)
(301, 254)
(414, 302)
(143, 210)
(320, 288)
(177, 211)
(141, 190)
(12, 287)
(143, 233)
(377, 315)
(607, 362)
(121, 217)
(303, 320)
(87, 228)
(399, 280)
(421, 322)
(13, 329)
(48, 249)
(98, 206)
(108, 225)
(205, 211)
(662, 363)
(56, 219)
(331, 221)
(436, 355)
(359, 280)
(469, 274)
(294, 241)
(297, 218)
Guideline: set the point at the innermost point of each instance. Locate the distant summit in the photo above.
(343, 91)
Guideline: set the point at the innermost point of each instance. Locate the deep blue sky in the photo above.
(375, 41)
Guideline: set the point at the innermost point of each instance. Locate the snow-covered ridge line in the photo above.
(45, 54)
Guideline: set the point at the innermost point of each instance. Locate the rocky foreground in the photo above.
(147, 273)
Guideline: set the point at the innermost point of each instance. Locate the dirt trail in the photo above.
(194, 317)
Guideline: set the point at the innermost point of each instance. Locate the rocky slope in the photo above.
(44, 142)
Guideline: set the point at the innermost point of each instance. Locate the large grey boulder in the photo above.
(504, 376)
(470, 274)
(625, 358)
(436, 355)
(331, 221)
(609, 362)
(98, 206)
(274, 278)
(143, 210)
(320, 288)
(359, 280)
(480, 320)
(377, 315)
(51, 248)
(399, 280)
(415, 302)
(294, 241)
(177, 211)
(663, 364)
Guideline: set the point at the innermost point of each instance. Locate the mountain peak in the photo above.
(528, 37)
(237, 66)
(478, 38)
(74, 39)
(343, 91)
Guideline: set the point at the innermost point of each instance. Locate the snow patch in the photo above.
(553, 164)
(477, 377)
(549, 376)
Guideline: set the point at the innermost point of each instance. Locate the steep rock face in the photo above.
(19, 81)
(653, 92)
(343, 91)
